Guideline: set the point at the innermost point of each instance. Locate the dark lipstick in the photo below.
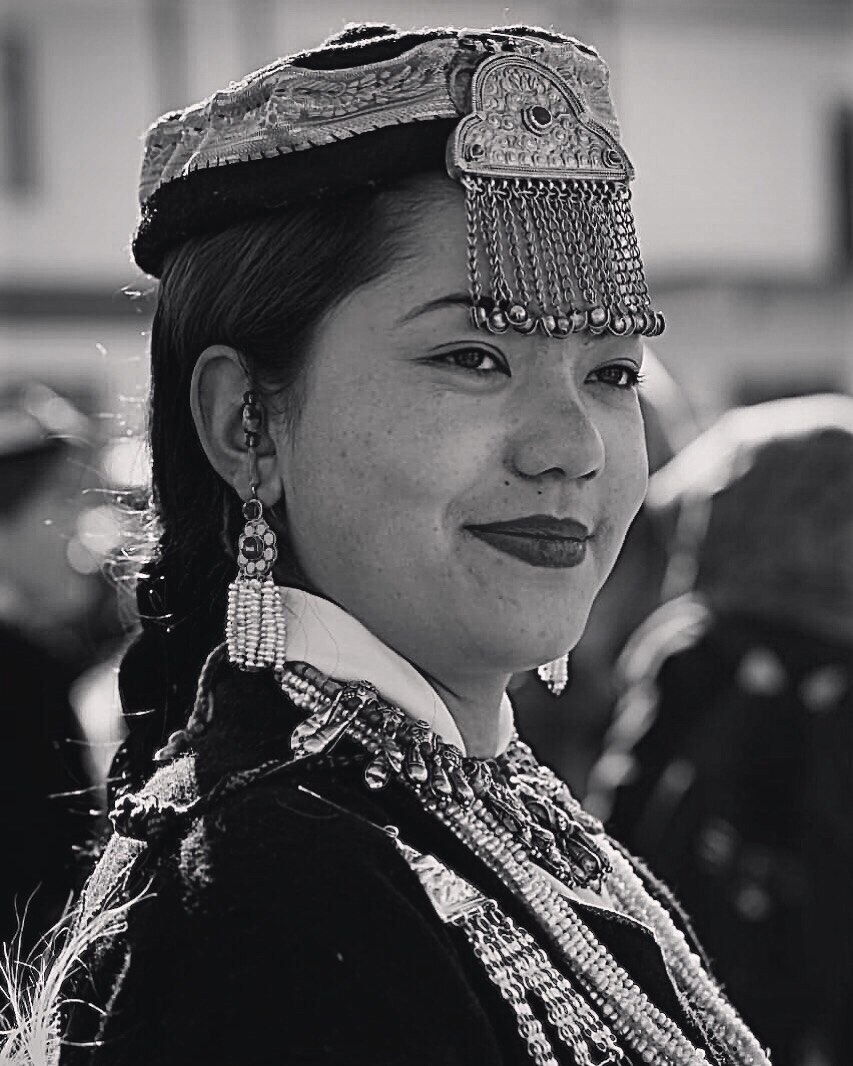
(541, 540)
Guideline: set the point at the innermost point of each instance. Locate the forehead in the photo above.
(428, 271)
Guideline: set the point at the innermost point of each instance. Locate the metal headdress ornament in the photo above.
(551, 239)
(533, 139)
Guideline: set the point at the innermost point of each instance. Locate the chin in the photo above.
(516, 641)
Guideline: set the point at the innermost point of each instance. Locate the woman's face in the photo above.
(417, 428)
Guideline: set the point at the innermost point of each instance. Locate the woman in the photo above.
(416, 380)
(729, 761)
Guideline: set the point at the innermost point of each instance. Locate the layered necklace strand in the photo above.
(518, 967)
(487, 816)
(629, 893)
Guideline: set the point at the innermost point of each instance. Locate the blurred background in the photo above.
(738, 116)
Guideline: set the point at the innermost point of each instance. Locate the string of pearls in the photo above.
(255, 626)
(727, 1029)
(623, 1004)
(519, 967)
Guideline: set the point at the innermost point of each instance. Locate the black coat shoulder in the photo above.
(278, 922)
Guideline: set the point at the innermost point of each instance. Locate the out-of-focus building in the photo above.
(738, 116)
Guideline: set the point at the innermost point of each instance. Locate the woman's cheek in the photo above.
(421, 460)
(632, 491)
(626, 470)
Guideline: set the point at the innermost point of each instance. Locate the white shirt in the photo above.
(325, 636)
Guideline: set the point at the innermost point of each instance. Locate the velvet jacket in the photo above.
(282, 925)
(44, 795)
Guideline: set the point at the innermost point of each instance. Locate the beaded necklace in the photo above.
(520, 820)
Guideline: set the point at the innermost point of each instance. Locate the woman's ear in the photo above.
(218, 384)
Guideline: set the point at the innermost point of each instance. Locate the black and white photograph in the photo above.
(426, 532)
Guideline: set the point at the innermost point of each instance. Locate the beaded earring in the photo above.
(555, 674)
(255, 627)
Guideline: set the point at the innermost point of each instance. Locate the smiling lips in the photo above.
(541, 540)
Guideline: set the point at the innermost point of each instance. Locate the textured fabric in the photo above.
(305, 127)
(285, 927)
(44, 797)
(216, 199)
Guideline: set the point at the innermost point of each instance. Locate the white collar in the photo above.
(325, 636)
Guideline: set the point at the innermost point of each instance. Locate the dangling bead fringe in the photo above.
(255, 626)
(550, 231)
(528, 239)
(555, 674)
(255, 629)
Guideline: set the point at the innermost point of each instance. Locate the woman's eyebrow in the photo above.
(454, 299)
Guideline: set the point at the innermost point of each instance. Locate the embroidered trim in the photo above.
(285, 108)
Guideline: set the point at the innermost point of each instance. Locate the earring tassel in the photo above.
(555, 675)
(255, 627)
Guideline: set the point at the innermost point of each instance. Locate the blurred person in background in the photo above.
(570, 729)
(728, 767)
(45, 447)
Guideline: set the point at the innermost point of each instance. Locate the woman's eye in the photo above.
(474, 360)
(619, 376)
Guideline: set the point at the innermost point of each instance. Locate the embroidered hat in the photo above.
(522, 118)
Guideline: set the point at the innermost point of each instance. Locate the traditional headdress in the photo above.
(521, 118)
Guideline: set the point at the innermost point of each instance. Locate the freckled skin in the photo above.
(393, 454)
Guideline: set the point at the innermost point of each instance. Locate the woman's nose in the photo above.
(557, 437)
